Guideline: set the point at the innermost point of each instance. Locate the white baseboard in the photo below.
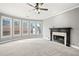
(75, 46)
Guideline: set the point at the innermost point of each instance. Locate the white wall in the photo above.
(67, 19)
(48, 23)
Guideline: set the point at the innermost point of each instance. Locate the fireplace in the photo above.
(60, 35)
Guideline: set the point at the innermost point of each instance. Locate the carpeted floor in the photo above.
(36, 47)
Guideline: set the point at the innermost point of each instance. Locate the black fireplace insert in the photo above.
(59, 39)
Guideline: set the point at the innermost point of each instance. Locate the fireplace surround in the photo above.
(61, 35)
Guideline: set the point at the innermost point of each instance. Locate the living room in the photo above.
(39, 29)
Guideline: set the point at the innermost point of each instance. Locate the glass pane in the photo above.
(16, 27)
(0, 28)
(35, 27)
(6, 26)
(24, 26)
(38, 28)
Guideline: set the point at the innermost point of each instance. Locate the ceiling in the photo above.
(25, 11)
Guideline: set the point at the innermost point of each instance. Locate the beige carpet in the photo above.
(36, 47)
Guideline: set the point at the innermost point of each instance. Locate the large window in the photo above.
(16, 27)
(36, 27)
(25, 27)
(6, 26)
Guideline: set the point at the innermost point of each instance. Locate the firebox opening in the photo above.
(59, 39)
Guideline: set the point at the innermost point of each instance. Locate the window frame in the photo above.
(27, 27)
(18, 20)
(37, 21)
(4, 17)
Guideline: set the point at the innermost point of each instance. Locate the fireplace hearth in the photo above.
(61, 35)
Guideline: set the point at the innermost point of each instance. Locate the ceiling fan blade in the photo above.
(43, 9)
(30, 5)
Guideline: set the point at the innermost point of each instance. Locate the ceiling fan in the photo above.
(37, 7)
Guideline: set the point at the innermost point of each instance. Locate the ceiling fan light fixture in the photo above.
(38, 8)
(37, 11)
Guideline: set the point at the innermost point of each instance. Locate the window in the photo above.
(0, 27)
(6, 26)
(25, 27)
(16, 27)
(35, 27)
